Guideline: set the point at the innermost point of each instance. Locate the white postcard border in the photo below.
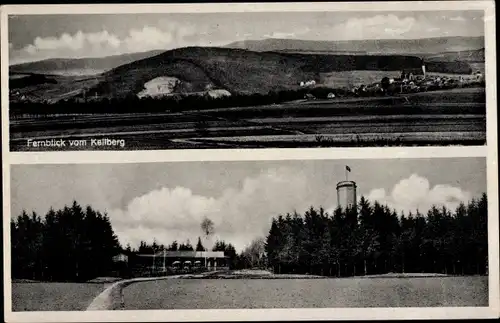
(489, 152)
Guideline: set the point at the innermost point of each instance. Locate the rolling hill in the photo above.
(198, 69)
(379, 46)
(80, 66)
(472, 56)
(237, 70)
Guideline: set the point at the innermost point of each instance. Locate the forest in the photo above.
(78, 244)
(70, 244)
(376, 240)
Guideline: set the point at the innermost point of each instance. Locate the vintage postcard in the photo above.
(240, 162)
(247, 79)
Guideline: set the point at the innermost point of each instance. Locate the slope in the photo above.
(472, 56)
(237, 70)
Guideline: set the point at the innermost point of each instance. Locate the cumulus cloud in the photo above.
(379, 26)
(104, 43)
(288, 34)
(415, 192)
(239, 214)
(391, 26)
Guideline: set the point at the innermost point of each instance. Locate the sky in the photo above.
(168, 201)
(36, 37)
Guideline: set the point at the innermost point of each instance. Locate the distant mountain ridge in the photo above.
(97, 64)
(377, 46)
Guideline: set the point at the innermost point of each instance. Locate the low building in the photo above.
(163, 260)
(121, 257)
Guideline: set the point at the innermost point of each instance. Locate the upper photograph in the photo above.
(246, 80)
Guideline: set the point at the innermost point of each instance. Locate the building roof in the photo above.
(186, 254)
(346, 183)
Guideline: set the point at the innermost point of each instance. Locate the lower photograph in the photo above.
(350, 233)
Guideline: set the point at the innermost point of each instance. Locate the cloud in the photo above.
(390, 26)
(280, 35)
(284, 34)
(147, 38)
(239, 214)
(72, 43)
(415, 192)
(379, 26)
(104, 43)
(243, 213)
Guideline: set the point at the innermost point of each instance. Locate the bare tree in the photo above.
(207, 226)
(255, 252)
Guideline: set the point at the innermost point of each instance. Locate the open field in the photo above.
(49, 87)
(40, 296)
(254, 289)
(455, 117)
(307, 293)
(349, 79)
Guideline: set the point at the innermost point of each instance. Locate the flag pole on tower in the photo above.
(347, 171)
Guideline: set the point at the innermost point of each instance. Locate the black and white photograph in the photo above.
(242, 79)
(250, 235)
(248, 161)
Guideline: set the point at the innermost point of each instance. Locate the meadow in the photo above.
(349, 79)
(42, 296)
(430, 118)
(260, 293)
(307, 293)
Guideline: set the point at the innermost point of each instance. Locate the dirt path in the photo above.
(112, 297)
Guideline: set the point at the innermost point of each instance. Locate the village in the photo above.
(410, 81)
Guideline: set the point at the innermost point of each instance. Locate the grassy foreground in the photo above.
(307, 293)
(264, 290)
(435, 118)
(41, 296)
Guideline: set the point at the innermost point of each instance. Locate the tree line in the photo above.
(70, 244)
(187, 102)
(374, 239)
(77, 244)
(174, 103)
